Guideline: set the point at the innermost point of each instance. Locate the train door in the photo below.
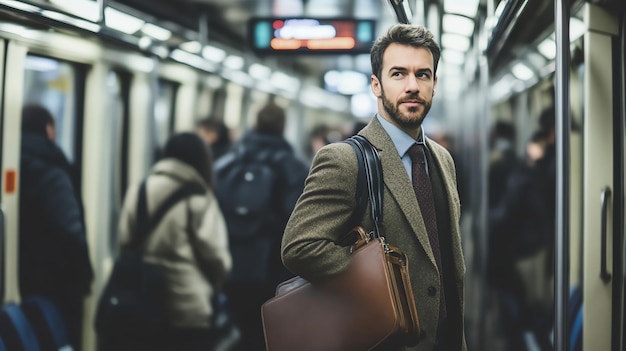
(106, 172)
(3, 253)
(620, 291)
(33, 80)
(9, 205)
(603, 176)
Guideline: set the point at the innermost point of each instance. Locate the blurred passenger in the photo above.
(318, 138)
(404, 79)
(545, 208)
(322, 135)
(508, 180)
(446, 140)
(54, 258)
(522, 225)
(215, 133)
(535, 147)
(503, 159)
(192, 273)
(258, 184)
(355, 128)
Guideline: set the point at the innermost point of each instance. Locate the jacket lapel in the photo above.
(453, 204)
(398, 183)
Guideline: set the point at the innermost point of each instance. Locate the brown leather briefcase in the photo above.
(369, 303)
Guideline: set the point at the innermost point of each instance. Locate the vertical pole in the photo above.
(483, 130)
(621, 342)
(563, 121)
(203, 28)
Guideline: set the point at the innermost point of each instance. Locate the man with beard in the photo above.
(404, 66)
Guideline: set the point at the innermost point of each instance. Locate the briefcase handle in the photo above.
(362, 238)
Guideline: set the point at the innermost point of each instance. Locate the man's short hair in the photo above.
(547, 120)
(35, 119)
(405, 34)
(209, 123)
(270, 119)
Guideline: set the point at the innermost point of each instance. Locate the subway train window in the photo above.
(51, 83)
(117, 105)
(164, 113)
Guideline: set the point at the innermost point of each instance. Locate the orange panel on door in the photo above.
(10, 181)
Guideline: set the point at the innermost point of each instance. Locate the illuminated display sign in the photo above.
(309, 35)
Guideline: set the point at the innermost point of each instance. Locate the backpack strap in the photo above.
(193, 242)
(371, 173)
(145, 225)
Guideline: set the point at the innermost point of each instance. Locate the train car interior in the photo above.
(121, 76)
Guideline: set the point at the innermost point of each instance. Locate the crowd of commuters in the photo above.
(521, 231)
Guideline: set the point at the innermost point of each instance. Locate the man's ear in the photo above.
(376, 86)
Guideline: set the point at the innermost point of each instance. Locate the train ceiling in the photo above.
(227, 22)
(514, 28)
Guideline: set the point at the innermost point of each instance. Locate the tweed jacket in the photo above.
(322, 216)
(189, 291)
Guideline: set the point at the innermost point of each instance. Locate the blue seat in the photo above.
(47, 323)
(575, 319)
(15, 330)
(2, 347)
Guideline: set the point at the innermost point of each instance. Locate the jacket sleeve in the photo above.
(311, 243)
(212, 243)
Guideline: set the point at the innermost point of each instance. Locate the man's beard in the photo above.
(402, 119)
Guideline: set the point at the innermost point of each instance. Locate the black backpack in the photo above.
(247, 187)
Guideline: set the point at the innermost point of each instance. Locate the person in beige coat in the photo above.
(404, 65)
(192, 278)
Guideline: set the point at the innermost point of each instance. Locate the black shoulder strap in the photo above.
(370, 171)
(145, 225)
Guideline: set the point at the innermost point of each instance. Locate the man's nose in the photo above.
(412, 84)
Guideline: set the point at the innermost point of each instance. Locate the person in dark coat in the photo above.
(508, 185)
(54, 258)
(246, 294)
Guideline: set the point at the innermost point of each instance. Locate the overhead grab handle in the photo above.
(605, 197)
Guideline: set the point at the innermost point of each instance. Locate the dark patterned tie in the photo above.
(424, 192)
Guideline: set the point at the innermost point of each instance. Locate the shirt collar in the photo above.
(401, 140)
